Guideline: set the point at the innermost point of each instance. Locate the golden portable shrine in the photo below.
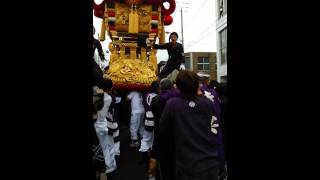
(128, 23)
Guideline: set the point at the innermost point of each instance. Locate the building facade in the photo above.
(205, 62)
(221, 40)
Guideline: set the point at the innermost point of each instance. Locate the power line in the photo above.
(183, 7)
(206, 36)
(179, 12)
(201, 39)
(190, 45)
(204, 43)
(182, 3)
(198, 10)
(192, 2)
(178, 2)
(200, 43)
(203, 32)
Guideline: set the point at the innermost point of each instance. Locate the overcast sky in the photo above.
(199, 26)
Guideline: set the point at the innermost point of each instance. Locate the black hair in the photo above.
(106, 68)
(222, 89)
(165, 84)
(203, 79)
(105, 84)
(173, 33)
(188, 84)
(99, 102)
(96, 73)
(155, 86)
(213, 84)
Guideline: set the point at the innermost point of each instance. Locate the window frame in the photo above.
(203, 63)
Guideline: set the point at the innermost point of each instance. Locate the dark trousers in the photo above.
(97, 73)
(210, 174)
(167, 69)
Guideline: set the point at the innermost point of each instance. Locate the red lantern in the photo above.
(171, 8)
(100, 6)
(167, 20)
(98, 14)
(98, 9)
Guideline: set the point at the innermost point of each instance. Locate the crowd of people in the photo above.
(177, 126)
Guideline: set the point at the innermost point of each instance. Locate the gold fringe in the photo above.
(103, 31)
(162, 38)
(133, 21)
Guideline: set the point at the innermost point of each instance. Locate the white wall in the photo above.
(221, 69)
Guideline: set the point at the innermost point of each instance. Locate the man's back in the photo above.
(102, 114)
(189, 127)
(136, 102)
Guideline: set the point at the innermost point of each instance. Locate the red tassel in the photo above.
(167, 20)
(154, 17)
(111, 14)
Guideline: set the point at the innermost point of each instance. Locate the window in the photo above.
(187, 62)
(223, 46)
(203, 64)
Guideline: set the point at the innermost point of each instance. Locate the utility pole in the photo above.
(181, 7)
(182, 29)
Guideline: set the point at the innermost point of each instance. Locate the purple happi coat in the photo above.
(213, 96)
